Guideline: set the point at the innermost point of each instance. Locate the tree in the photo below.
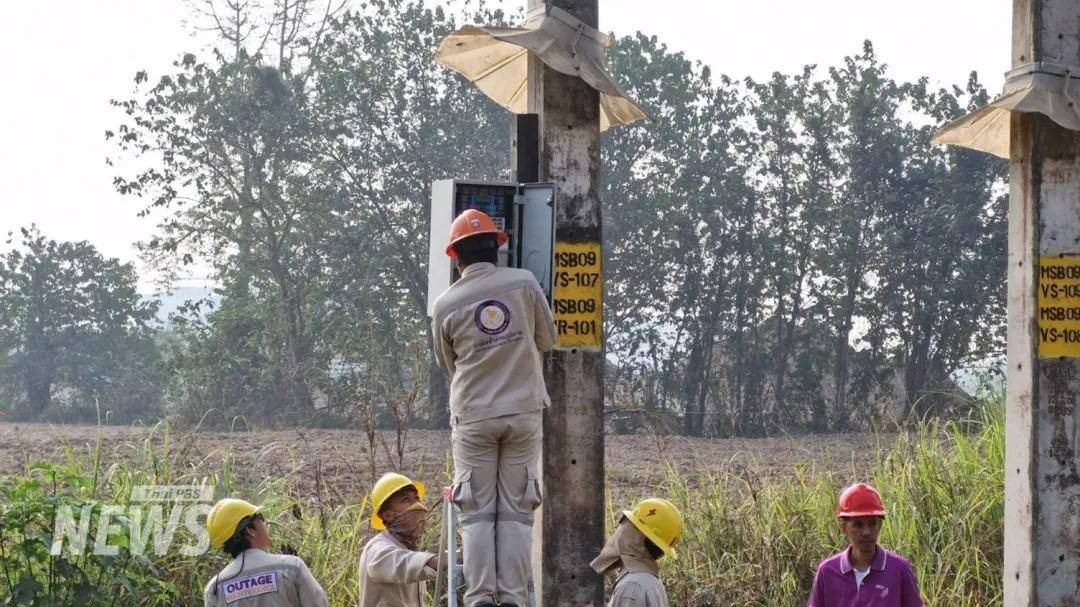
(934, 300)
(227, 144)
(774, 249)
(678, 202)
(778, 250)
(399, 122)
(305, 184)
(74, 332)
(787, 171)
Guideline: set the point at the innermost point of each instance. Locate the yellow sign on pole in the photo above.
(578, 296)
(1059, 307)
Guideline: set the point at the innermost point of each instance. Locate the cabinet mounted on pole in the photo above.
(525, 211)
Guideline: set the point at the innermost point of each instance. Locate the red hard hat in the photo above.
(472, 223)
(860, 500)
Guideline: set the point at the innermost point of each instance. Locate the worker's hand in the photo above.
(448, 494)
(457, 556)
(433, 562)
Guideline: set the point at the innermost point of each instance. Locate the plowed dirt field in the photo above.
(339, 463)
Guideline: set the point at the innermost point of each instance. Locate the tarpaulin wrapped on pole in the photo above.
(496, 59)
(1044, 88)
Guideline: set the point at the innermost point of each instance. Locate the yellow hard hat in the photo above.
(389, 484)
(660, 521)
(224, 518)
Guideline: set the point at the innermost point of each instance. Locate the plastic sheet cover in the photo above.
(1043, 88)
(496, 59)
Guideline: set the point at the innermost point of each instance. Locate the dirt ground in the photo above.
(340, 463)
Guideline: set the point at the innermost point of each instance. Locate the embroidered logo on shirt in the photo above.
(883, 591)
(492, 317)
(255, 585)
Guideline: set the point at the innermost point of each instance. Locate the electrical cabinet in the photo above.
(525, 211)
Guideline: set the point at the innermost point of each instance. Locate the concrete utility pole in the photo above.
(573, 512)
(1042, 473)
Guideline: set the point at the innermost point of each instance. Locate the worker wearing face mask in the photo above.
(393, 570)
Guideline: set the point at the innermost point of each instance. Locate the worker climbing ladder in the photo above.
(448, 536)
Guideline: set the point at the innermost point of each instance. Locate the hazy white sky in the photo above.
(65, 59)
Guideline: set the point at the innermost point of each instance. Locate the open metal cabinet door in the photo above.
(538, 233)
(440, 267)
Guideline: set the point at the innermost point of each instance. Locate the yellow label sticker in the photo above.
(579, 296)
(1059, 307)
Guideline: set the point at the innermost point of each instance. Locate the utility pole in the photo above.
(573, 454)
(1042, 473)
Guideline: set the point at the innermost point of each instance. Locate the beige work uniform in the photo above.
(638, 589)
(490, 329)
(637, 584)
(391, 575)
(258, 579)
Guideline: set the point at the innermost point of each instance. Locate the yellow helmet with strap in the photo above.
(389, 484)
(660, 521)
(225, 516)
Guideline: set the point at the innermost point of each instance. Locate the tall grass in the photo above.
(751, 539)
(757, 541)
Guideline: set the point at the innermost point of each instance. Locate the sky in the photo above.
(65, 59)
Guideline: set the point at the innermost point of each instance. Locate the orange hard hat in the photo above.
(472, 223)
(859, 500)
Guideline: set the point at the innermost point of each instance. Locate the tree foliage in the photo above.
(782, 254)
(302, 178)
(820, 259)
(74, 333)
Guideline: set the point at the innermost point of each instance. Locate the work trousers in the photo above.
(497, 487)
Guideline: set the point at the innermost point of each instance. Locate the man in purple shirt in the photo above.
(864, 574)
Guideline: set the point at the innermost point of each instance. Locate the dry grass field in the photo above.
(340, 461)
(758, 512)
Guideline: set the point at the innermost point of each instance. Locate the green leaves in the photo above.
(300, 178)
(25, 592)
(815, 244)
(74, 323)
(776, 251)
(85, 594)
(31, 505)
